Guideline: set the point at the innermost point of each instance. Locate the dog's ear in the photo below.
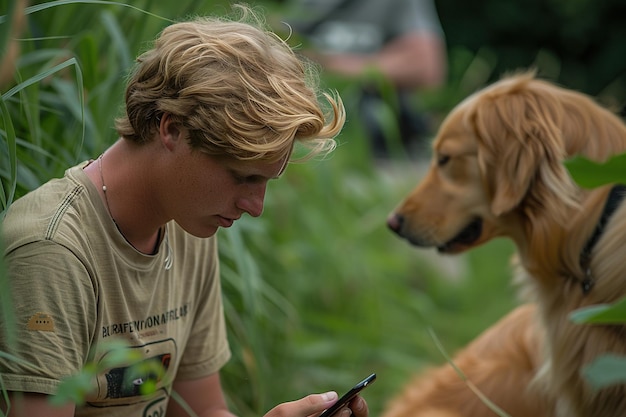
(521, 149)
(590, 129)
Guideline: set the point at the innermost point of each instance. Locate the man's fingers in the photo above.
(359, 407)
(304, 407)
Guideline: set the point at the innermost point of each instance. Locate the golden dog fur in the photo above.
(497, 171)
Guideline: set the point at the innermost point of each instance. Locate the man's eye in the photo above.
(251, 179)
(442, 160)
(239, 179)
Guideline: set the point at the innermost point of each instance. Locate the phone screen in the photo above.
(348, 396)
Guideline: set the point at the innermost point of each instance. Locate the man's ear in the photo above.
(169, 132)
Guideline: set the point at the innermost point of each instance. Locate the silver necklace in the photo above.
(104, 188)
(168, 259)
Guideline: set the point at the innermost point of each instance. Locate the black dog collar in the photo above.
(617, 194)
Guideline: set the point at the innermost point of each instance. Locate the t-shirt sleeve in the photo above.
(207, 348)
(51, 320)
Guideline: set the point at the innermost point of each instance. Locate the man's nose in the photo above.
(252, 201)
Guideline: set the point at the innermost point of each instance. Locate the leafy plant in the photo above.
(590, 174)
(76, 388)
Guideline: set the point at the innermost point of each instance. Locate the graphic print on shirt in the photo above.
(148, 326)
(122, 383)
(137, 359)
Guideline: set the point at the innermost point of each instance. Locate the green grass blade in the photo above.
(119, 41)
(6, 196)
(492, 406)
(37, 78)
(39, 7)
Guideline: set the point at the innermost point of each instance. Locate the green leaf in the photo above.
(589, 174)
(601, 314)
(74, 389)
(119, 356)
(606, 370)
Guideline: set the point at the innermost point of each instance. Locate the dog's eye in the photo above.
(442, 160)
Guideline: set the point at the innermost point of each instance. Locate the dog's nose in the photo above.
(394, 222)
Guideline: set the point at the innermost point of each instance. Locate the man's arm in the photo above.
(27, 404)
(206, 398)
(203, 395)
(414, 60)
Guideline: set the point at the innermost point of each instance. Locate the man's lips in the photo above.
(225, 221)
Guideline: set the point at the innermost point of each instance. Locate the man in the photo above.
(123, 248)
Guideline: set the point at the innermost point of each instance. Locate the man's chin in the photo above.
(202, 232)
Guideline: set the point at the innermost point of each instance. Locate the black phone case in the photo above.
(348, 396)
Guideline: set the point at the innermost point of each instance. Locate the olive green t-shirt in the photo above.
(77, 284)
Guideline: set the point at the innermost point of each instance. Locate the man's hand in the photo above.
(313, 404)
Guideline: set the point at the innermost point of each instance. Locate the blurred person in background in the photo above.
(392, 48)
(124, 248)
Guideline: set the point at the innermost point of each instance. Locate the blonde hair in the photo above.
(238, 88)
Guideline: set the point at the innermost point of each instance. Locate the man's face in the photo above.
(208, 192)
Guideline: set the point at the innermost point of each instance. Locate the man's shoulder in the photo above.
(39, 213)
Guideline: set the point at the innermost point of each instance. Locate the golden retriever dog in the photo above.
(500, 363)
(497, 171)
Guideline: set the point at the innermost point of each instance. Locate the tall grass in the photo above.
(318, 294)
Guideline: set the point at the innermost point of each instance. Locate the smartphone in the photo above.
(348, 396)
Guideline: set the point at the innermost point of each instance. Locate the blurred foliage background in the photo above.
(318, 292)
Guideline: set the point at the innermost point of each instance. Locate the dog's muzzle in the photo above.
(464, 239)
(395, 222)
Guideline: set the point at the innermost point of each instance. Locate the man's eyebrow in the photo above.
(253, 177)
(277, 176)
